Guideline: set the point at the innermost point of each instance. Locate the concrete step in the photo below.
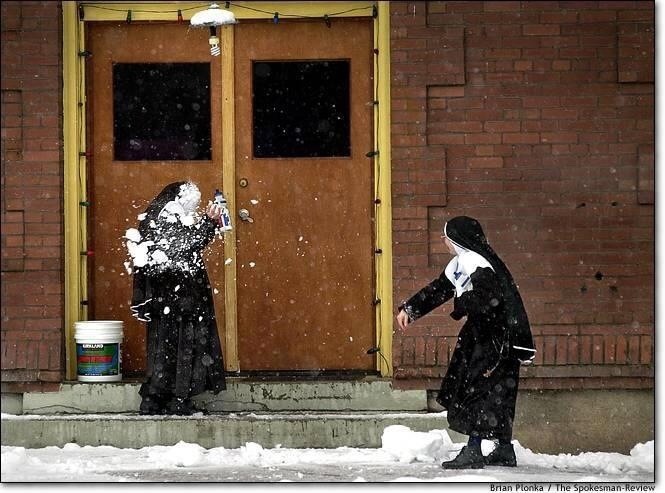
(367, 394)
(232, 430)
(298, 414)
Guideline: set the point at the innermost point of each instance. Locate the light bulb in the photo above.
(215, 50)
(213, 17)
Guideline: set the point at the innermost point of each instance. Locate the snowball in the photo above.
(183, 454)
(13, 458)
(139, 252)
(643, 456)
(159, 257)
(133, 235)
(251, 452)
(212, 17)
(407, 446)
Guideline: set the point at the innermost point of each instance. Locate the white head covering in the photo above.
(459, 269)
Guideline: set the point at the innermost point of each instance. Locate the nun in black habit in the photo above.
(479, 389)
(172, 294)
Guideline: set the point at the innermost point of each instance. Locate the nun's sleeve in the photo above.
(485, 300)
(192, 239)
(428, 298)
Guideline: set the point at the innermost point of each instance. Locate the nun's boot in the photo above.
(502, 455)
(183, 407)
(151, 405)
(468, 458)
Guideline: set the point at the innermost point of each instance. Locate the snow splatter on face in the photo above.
(189, 197)
(183, 207)
(163, 247)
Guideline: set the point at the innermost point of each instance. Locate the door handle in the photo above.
(244, 216)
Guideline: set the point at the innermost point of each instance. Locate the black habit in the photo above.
(479, 389)
(174, 298)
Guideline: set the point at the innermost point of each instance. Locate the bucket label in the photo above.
(98, 360)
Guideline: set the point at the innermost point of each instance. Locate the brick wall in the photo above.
(32, 187)
(537, 118)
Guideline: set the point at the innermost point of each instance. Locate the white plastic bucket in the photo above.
(99, 350)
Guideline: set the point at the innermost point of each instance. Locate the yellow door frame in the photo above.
(77, 14)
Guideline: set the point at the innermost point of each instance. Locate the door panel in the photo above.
(120, 190)
(305, 263)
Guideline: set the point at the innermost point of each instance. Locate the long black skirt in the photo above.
(479, 389)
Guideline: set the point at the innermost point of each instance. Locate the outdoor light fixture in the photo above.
(212, 17)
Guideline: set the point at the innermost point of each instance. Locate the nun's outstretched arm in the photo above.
(192, 238)
(435, 294)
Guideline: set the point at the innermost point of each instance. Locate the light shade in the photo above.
(213, 16)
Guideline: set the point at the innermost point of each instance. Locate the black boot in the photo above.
(180, 406)
(151, 405)
(502, 455)
(468, 458)
(183, 407)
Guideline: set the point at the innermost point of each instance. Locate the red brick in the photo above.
(586, 349)
(521, 138)
(445, 91)
(621, 349)
(485, 162)
(572, 351)
(541, 30)
(646, 350)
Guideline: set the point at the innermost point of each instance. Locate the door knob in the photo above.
(244, 216)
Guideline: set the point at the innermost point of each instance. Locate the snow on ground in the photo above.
(405, 456)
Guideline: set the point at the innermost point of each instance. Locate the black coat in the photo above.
(479, 389)
(184, 356)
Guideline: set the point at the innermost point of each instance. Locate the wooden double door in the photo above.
(303, 211)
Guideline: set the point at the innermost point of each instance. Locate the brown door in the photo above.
(304, 126)
(154, 95)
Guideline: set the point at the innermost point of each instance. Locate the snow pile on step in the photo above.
(406, 445)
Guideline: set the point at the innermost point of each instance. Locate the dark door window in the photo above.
(301, 108)
(161, 111)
